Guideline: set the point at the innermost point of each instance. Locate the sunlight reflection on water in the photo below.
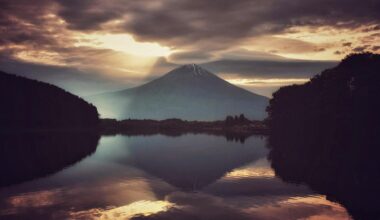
(144, 208)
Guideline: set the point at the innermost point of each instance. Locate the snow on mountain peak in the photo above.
(195, 69)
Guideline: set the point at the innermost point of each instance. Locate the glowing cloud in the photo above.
(123, 43)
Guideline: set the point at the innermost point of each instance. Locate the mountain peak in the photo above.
(191, 65)
(194, 69)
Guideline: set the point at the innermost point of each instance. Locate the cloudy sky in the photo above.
(92, 46)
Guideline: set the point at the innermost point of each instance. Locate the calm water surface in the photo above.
(150, 177)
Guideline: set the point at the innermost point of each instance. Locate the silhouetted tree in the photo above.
(229, 121)
(236, 120)
(242, 119)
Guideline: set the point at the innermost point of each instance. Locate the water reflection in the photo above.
(190, 163)
(160, 177)
(142, 208)
(27, 156)
(346, 170)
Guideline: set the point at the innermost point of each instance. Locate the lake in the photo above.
(191, 176)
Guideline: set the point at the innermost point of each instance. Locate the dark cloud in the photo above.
(22, 22)
(360, 49)
(243, 54)
(320, 49)
(185, 21)
(269, 68)
(376, 48)
(89, 14)
(191, 56)
(192, 21)
(372, 28)
(284, 45)
(347, 44)
(202, 23)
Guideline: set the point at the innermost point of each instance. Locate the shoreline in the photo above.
(170, 127)
(177, 126)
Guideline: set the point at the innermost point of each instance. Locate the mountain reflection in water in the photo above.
(153, 177)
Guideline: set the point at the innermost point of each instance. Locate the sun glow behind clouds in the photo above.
(126, 56)
(123, 43)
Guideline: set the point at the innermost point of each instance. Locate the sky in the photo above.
(92, 46)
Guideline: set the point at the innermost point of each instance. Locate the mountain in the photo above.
(188, 92)
(30, 104)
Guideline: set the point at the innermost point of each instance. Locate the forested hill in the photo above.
(344, 99)
(30, 104)
(325, 133)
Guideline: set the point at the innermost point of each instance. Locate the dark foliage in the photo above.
(339, 101)
(236, 120)
(238, 130)
(325, 133)
(29, 104)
